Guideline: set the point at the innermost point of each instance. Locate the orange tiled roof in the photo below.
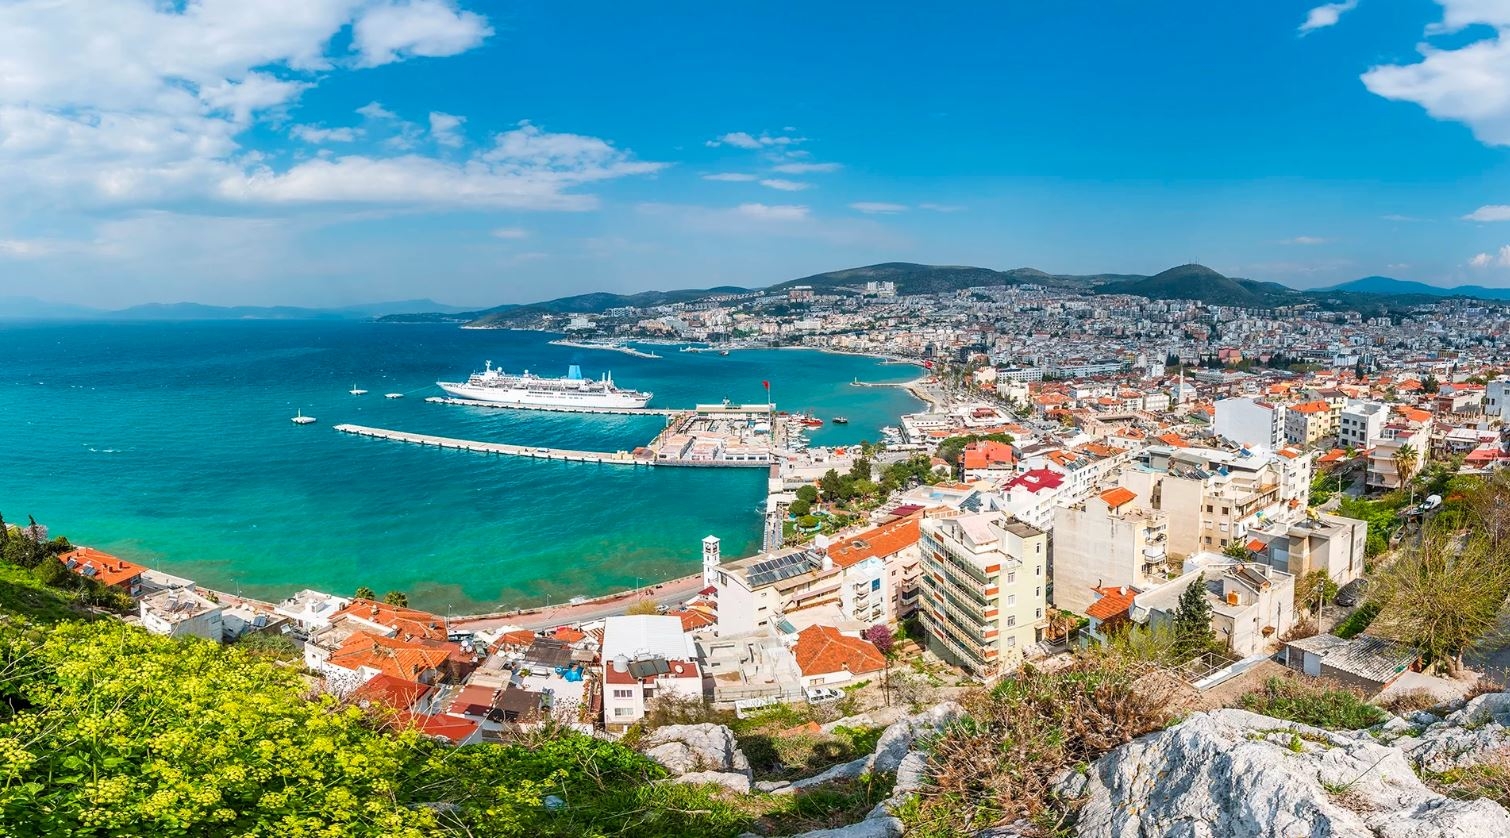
(1113, 601)
(1174, 441)
(881, 541)
(388, 655)
(1332, 456)
(390, 691)
(107, 569)
(1311, 407)
(405, 622)
(823, 649)
(693, 619)
(451, 728)
(1117, 497)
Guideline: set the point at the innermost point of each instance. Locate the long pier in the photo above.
(621, 411)
(619, 458)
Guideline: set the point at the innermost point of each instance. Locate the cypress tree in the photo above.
(1192, 621)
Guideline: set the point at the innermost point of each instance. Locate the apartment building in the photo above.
(180, 612)
(1384, 461)
(1319, 541)
(895, 546)
(109, 570)
(1213, 497)
(1362, 424)
(1252, 605)
(1108, 540)
(983, 589)
(645, 657)
(1257, 424)
(1308, 422)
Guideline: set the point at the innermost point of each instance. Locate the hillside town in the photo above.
(1083, 464)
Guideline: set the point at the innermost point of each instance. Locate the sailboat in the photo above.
(301, 419)
(357, 391)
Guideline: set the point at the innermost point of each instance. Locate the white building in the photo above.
(311, 610)
(1111, 539)
(1362, 424)
(1497, 399)
(1251, 423)
(1252, 605)
(179, 612)
(645, 656)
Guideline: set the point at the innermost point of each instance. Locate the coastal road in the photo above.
(670, 593)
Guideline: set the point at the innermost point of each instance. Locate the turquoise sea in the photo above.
(170, 444)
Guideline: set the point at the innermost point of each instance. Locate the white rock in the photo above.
(898, 738)
(731, 780)
(702, 747)
(882, 827)
(1234, 774)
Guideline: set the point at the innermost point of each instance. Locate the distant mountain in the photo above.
(31, 308)
(403, 307)
(595, 303)
(1388, 285)
(909, 278)
(1198, 282)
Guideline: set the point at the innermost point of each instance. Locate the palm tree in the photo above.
(1406, 460)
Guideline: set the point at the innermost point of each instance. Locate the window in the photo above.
(875, 584)
(1038, 591)
(1208, 539)
(1037, 570)
(1011, 620)
(623, 693)
(1011, 600)
(1038, 613)
(1226, 510)
(1011, 641)
(623, 711)
(1210, 508)
(1011, 577)
(1038, 548)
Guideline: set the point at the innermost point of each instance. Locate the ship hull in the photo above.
(527, 397)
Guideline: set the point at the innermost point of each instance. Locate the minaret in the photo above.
(711, 560)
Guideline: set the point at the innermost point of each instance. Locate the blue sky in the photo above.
(336, 151)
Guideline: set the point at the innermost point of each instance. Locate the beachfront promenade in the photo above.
(618, 458)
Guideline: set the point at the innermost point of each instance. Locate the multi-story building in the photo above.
(644, 657)
(1362, 424)
(895, 547)
(1385, 463)
(1308, 422)
(1497, 399)
(1212, 497)
(1319, 541)
(1249, 422)
(790, 589)
(1108, 540)
(983, 589)
(1252, 605)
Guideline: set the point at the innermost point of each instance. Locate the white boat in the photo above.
(393, 395)
(357, 391)
(494, 385)
(301, 419)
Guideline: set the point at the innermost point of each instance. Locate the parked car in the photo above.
(1352, 593)
(818, 695)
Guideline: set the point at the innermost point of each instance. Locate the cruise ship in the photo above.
(528, 390)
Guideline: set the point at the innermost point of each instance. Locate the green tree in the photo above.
(860, 470)
(808, 493)
(1192, 621)
(1429, 384)
(1443, 596)
(1236, 549)
(1406, 460)
(398, 598)
(1314, 590)
(800, 507)
(364, 592)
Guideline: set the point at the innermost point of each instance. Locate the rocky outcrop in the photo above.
(893, 746)
(1238, 774)
(687, 749)
(1478, 732)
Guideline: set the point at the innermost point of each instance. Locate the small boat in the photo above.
(301, 419)
(393, 395)
(812, 422)
(357, 391)
(841, 420)
(723, 351)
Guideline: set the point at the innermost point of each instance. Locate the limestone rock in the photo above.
(898, 738)
(684, 749)
(882, 827)
(1235, 774)
(731, 780)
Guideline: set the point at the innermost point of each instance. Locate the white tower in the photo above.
(711, 560)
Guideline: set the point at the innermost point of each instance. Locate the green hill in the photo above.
(1198, 282)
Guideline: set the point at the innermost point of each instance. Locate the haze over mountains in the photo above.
(1370, 295)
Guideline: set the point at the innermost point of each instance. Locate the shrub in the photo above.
(1410, 701)
(997, 764)
(1357, 622)
(1316, 703)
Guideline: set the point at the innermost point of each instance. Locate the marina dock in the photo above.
(620, 411)
(618, 458)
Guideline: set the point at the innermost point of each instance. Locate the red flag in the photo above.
(927, 365)
(766, 384)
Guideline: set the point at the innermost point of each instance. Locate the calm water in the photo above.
(170, 444)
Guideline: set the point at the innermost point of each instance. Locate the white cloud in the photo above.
(431, 28)
(444, 128)
(731, 177)
(1399, 218)
(1327, 15)
(940, 207)
(1469, 83)
(877, 207)
(510, 233)
(784, 185)
(319, 136)
(1489, 212)
(776, 212)
(1305, 240)
(375, 110)
(1485, 260)
(741, 139)
(806, 168)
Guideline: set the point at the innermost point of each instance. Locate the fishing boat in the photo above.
(841, 420)
(393, 395)
(811, 422)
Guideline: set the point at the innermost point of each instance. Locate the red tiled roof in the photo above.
(1311, 407)
(473, 700)
(390, 691)
(454, 729)
(693, 619)
(1036, 480)
(823, 649)
(1113, 601)
(881, 541)
(567, 634)
(388, 655)
(406, 622)
(109, 570)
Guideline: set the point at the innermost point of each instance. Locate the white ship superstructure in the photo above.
(493, 385)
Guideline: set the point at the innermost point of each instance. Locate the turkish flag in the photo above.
(766, 384)
(928, 365)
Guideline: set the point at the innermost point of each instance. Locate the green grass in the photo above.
(1357, 622)
(1312, 703)
(23, 595)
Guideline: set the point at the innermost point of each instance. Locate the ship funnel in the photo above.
(574, 372)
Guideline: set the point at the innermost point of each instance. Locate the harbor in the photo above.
(620, 458)
(551, 408)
